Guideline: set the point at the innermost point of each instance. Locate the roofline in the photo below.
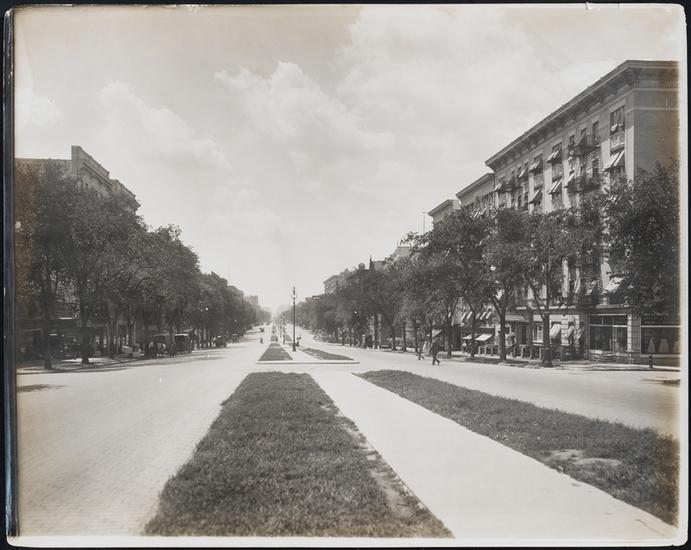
(475, 185)
(441, 206)
(611, 76)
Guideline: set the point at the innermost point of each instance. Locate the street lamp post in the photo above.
(294, 296)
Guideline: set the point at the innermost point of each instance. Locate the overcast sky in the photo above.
(289, 143)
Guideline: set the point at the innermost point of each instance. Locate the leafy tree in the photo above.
(453, 254)
(551, 240)
(98, 227)
(503, 266)
(43, 202)
(644, 232)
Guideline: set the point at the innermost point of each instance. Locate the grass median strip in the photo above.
(275, 353)
(280, 460)
(325, 355)
(638, 466)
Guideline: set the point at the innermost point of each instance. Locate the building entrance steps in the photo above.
(481, 490)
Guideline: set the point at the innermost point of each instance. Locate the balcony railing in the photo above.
(616, 141)
(583, 146)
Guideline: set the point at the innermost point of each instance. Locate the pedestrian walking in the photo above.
(435, 350)
(420, 348)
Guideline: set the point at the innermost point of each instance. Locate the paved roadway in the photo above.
(97, 445)
(636, 398)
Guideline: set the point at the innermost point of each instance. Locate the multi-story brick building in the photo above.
(90, 174)
(628, 120)
(443, 210)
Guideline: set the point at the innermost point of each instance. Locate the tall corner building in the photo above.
(628, 120)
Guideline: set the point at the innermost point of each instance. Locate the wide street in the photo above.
(96, 445)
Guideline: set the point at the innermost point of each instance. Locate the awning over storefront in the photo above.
(535, 166)
(556, 186)
(555, 332)
(522, 172)
(436, 333)
(479, 337)
(515, 317)
(616, 159)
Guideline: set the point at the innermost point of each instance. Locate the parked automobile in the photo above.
(162, 344)
(183, 344)
(221, 342)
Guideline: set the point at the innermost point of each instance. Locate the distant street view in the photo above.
(370, 273)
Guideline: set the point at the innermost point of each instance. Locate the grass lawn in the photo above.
(280, 460)
(275, 353)
(638, 466)
(325, 355)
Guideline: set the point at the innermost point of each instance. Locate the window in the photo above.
(596, 132)
(537, 332)
(659, 335)
(616, 121)
(608, 333)
(583, 132)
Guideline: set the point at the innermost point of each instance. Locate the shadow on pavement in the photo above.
(39, 387)
(78, 368)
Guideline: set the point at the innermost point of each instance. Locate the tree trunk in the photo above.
(393, 336)
(502, 335)
(86, 348)
(405, 340)
(417, 350)
(145, 318)
(449, 325)
(546, 343)
(472, 333)
(113, 339)
(47, 353)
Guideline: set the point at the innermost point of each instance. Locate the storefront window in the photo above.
(659, 335)
(608, 333)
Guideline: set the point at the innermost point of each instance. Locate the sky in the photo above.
(292, 142)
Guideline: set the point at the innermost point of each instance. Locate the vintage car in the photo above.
(183, 344)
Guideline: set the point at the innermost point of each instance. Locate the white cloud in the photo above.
(33, 110)
(156, 132)
(290, 108)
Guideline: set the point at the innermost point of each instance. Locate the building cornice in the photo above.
(628, 74)
(477, 184)
(444, 205)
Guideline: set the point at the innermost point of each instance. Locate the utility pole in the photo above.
(293, 296)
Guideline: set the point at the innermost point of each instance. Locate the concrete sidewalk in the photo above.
(462, 357)
(483, 491)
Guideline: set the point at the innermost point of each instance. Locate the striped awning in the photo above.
(478, 337)
(555, 332)
(555, 154)
(617, 159)
(556, 186)
(537, 195)
(613, 284)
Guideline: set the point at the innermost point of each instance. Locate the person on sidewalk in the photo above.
(435, 350)
(420, 348)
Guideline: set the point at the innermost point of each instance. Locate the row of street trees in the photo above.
(78, 252)
(518, 258)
